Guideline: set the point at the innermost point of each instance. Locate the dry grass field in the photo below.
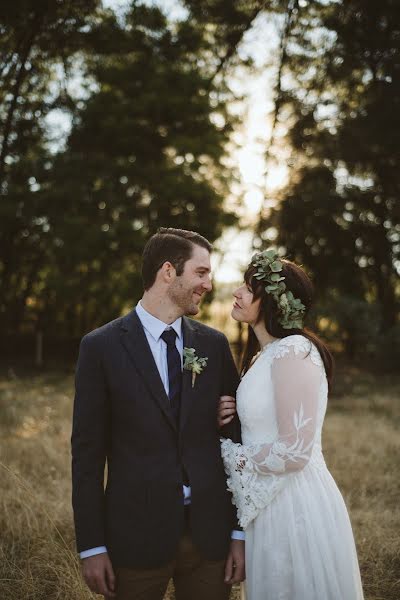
(37, 556)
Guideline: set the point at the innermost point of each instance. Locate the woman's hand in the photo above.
(226, 410)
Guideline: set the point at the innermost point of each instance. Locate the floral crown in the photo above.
(269, 268)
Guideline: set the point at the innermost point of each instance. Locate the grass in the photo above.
(37, 554)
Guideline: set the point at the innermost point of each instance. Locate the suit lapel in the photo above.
(135, 342)
(191, 339)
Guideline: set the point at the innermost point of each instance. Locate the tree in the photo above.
(37, 40)
(146, 148)
(339, 214)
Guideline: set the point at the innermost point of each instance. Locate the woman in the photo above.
(299, 541)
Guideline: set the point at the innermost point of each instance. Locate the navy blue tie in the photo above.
(174, 371)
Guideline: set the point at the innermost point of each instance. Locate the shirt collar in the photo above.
(154, 326)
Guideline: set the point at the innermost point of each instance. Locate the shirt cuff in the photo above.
(92, 552)
(238, 535)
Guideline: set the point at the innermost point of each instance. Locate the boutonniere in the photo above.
(193, 363)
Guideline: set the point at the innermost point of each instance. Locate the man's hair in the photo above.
(172, 245)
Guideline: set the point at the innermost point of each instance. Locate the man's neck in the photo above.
(160, 306)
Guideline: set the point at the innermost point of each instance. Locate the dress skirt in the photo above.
(301, 546)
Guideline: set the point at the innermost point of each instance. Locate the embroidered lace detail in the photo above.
(250, 493)
(299, 344)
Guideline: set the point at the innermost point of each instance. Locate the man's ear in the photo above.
(167, 272)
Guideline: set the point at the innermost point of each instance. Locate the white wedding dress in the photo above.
(299, 541)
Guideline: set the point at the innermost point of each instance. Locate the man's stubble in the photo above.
(182, 297)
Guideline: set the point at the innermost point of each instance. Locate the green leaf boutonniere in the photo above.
(193, 363)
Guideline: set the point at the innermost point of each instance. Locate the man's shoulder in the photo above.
(103, 332)
(206, 329)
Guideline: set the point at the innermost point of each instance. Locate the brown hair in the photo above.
(172, 245)
(298, 282)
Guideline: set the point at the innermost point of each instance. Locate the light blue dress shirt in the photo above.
(153, 329)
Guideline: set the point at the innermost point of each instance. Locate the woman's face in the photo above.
(245, 308)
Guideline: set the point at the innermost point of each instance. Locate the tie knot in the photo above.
(169, 337)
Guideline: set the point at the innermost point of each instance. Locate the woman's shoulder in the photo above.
(298, 345)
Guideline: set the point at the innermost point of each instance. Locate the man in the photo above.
(165, 512)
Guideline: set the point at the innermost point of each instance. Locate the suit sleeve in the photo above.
(89, 446)
(229, 387)
(231, 431)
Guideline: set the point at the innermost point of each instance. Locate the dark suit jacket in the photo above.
(122, 419)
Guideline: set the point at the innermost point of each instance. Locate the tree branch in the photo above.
(292, 7)
(237, 39)
(16, 92)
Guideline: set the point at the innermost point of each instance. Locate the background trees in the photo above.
(145, 101)
(339, 214)
(146, 147)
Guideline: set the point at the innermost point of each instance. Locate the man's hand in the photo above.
(234, 567)
(98, 573)
(226, 410)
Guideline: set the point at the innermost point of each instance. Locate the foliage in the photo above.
(37, 39)
(146, 148)
(148, 104)
(269, 270)
(339, 215)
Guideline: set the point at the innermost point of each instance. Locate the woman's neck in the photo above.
(262, 335)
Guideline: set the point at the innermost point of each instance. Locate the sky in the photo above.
(234, 248)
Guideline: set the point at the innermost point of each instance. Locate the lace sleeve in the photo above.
(258, 472)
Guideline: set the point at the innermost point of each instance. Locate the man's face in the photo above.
(187, 289)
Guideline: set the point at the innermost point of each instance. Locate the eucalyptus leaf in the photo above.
(269, 269)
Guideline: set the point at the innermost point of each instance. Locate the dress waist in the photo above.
(317, 458)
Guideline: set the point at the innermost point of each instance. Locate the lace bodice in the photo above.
(281, 402)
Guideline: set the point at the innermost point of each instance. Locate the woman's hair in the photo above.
(298, 282)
